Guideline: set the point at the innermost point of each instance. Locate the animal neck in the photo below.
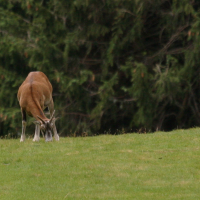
(38, 112)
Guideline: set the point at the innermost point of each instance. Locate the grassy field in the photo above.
(132, 166)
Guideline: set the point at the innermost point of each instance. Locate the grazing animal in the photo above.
(34, 95)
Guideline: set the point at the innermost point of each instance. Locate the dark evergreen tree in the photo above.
(131, 65)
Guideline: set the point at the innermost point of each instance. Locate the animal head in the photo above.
(46, 126)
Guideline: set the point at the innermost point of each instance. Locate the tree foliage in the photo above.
(113, 64)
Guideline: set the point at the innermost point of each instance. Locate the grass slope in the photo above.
(148, 166)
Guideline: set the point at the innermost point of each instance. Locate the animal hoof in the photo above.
(36, 140)
(57, 138)
(22, 139)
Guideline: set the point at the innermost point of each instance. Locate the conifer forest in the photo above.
(115, 65)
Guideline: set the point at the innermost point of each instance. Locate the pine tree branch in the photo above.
(23, 39)
(173, 38)
(180, 50)
(80, 114)
(127, 11)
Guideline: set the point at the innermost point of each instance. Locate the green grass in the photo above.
(132, 166)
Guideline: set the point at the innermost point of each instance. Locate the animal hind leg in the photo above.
(23, 126)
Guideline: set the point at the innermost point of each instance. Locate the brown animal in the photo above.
(34, 95)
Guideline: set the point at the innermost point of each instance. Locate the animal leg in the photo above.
(51, 110)
(23, 126)
(37, 133)
(56, 136)
(48, 137)
(23, 131)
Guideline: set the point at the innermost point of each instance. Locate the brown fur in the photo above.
(34, 95)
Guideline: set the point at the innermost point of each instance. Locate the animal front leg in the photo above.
(56, 136)
(51, 110)
(48, 136)
(37, 133)
(23, 131)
